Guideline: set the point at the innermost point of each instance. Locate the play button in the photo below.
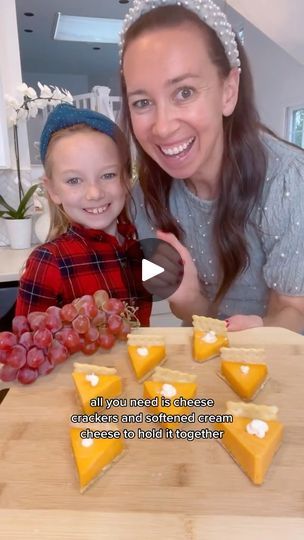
(161, 267)
(150, 270)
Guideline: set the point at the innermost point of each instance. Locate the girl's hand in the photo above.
(243, 322)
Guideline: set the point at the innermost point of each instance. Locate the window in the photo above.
(241, 35)
(295, 125)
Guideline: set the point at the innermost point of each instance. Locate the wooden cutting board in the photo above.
(169, 488)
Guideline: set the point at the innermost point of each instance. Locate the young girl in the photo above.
(87, 171)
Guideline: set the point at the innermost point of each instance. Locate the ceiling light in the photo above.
(88, 29)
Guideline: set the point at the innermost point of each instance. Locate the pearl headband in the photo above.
(206, 10)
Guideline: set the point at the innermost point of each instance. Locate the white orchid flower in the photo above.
(22, 88)
(45, 91)
(57, 95)
(31, 93)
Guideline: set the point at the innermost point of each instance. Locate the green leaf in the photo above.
(23, 206)
(20, 212)
(7, 206)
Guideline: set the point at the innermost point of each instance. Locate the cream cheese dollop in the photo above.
(168, 390)
(210, 337)
(257, 427)
(92, 378)
(142, 351)
(87, 442)
(245, 369)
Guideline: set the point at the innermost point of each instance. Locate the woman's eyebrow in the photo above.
(169, 82)
(181, 78)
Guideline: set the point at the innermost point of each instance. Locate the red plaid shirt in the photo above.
(82, 261)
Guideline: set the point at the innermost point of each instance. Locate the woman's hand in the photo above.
(187, 299)
(243, 322)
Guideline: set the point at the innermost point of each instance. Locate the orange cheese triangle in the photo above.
(95, 381)
(244, 378)
(203, 350)
(146, 351)
(252, 454)
(186, 390)
(173, 381)
(209, 336)
(92, 461)
(252, 438)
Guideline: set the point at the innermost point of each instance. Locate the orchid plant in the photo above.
(18, 110)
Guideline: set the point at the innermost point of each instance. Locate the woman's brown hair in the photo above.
(59, 221)
(244, 162)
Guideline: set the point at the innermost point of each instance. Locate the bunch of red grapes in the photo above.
(40, 341)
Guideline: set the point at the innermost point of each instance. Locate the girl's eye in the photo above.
(185, 93)
(109, 176)
(141, 104)
(73, 181)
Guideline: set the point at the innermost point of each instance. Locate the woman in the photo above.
(210, 173)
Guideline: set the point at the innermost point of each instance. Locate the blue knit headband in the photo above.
(65, 115)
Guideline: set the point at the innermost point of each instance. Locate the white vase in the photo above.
(19, 232)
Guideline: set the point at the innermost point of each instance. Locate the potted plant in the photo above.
(19, 111)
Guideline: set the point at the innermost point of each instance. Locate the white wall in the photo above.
(279, 79)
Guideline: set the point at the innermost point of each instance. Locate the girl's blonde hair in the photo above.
(59, 220)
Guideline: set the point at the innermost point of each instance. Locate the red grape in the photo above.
(81, 324)
(124, 330)
(91, 335)
(68, 312)
(57, 353)
(7, 341)
(3, 355)
(16, 358)
(36, 320)
(69, 338)
(53, 310)
(35, 357)
(46, 367)
(89, 348)
(53, 319)
(100, 319)
(113, 306)
(106, 339)
(86, 306)
(42, 338)
(100, 297)
(26, 340)
(27, 375)
(8, 373)
(114, 324)
(20, 325)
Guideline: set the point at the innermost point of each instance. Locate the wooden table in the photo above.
(163, 488)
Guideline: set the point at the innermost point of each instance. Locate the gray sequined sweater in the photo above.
(275, 239)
